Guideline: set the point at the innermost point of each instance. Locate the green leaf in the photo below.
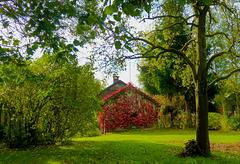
(117, 2)
(35, 46)
(182, 3)
(91, 20)
(4, 42)
(1, 10)
(6, 24)
(92, 34)
(118, 45)
(16, 42)
(147, 8)
(109, 10)
(75, 49)
(136, 13)
(32, 23)
(1, 80)
(128, 8)
(118, 16)
(207, 2)
(117, 30)
(129, 48)
(76, 42)
(48, 93)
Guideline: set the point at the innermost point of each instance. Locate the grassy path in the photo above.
(159, 146)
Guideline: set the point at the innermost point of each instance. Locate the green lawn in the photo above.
(158, 146)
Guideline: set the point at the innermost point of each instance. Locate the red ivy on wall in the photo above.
(127, 110)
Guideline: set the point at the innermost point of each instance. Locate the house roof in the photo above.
(119, 82)
(130, 86)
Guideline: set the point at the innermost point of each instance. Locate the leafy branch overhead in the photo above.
(28, 26)
(125, 39)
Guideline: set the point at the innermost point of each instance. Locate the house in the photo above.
(127, 108)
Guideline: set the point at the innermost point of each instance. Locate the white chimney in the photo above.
(115, 79)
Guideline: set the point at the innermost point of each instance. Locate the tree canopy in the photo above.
(51, 26)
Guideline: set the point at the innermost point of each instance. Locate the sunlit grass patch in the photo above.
(158, 146)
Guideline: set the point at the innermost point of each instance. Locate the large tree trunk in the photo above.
(190, 105)
(201, 91)
(202, 118)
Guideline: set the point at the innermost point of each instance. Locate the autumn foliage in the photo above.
(126, 108)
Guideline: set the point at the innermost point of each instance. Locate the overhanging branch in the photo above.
(223, 4)
(223, 77)
(218, 33)
(171, 16)
(165, 50)
(220, 54)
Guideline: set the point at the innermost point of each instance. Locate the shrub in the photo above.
(56, 101)
(214, 121)
(127, 112)
(225, 126)
(234, 123)
(164, 120)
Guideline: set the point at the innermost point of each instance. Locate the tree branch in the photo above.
(165, 50)
(185, 20)
(218, 33)
(220, 54)
(186, 44)
(140, 56)
(223, 77)
(223, 4)
(171, 16)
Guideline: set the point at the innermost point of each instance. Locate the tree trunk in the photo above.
(202, 118)
(189, 109)
(201, 90)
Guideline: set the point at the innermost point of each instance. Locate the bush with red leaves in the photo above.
(127, 111)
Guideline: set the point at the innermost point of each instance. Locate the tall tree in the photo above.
(201, 18)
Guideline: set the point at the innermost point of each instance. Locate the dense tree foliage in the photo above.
(56, 101)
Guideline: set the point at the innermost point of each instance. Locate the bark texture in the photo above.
(201, 88)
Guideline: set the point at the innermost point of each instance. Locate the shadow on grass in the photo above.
(126, 151)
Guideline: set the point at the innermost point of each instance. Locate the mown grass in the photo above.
(158, 146)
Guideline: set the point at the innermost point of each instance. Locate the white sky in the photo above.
(130, 75)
